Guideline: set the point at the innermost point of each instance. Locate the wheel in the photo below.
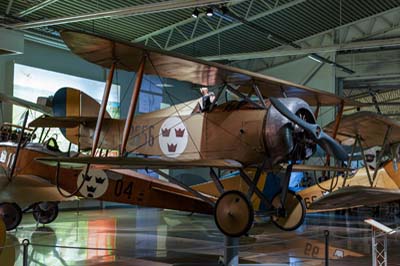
(233, 213)
(295, 211)
(11, 214)
(45, 212)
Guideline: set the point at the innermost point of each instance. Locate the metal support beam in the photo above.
(354, 41)
(120, 12)
(174, 27)
(132, 106)
(313, 72)
(179, 183)
(236, 24)
(8, 9)
(35, 8)
(102, 110)
(231, 251)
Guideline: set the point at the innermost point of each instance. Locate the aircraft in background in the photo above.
(18, 186)
(257, 132)
(378, 181)
(27, 185)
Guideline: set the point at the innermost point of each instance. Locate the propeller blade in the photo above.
(325, 141)
(332, 146)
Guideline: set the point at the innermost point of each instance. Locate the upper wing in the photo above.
(30, 105)
(370, 127)
(127, 56)
(355, 196)
(137, 163)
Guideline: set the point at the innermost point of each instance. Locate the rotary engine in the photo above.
(285, 140)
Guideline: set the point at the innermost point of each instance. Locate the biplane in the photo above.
(378, 181)
(27, 185)
(271, 123)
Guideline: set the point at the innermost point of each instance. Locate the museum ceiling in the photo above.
(176, 30)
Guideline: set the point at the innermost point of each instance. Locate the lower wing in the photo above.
(355, 196)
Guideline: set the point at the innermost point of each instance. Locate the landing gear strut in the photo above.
(45, 212)
(233, 213)
(11, 214)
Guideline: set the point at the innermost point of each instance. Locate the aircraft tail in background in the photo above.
(70, 102)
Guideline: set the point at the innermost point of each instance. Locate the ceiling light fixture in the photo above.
(209, 12)
(195, 13)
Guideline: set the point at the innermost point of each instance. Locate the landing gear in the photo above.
(233, 213)
(291, 216)
(45, 212)
(11, 214)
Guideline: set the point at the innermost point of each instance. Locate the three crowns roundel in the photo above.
(173, 137)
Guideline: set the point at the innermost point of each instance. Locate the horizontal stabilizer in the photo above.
(355, 196)
(137, 163)
(29, 105)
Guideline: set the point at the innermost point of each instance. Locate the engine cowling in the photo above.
(284, 140)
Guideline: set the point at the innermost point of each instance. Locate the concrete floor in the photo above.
(130, 236)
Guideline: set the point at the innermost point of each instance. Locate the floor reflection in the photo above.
(130, 236)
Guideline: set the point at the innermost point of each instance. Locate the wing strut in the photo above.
(132, 106)
(102, 110)
(20, 139)
(258, 93)
(338, 119)
(346, 175)
(380, 155)
(364, 161)
(244, 97)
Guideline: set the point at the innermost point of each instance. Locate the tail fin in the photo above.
(69, 102)
(72, 102)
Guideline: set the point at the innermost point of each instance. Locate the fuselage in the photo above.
(235, 130)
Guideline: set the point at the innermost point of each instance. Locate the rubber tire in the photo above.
(45, 216)
(300, 217)
(10, 225)
(250, 213)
